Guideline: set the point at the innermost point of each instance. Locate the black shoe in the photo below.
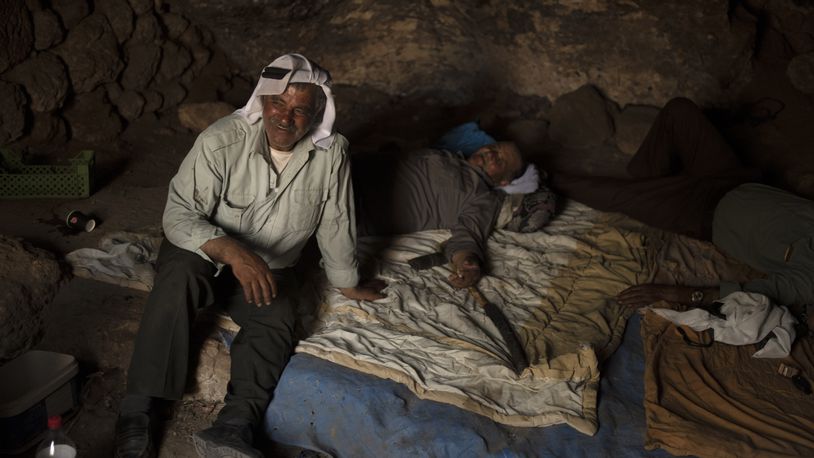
(224, 440)
(133, 438)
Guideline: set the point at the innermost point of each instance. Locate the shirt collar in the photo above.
(261, 147)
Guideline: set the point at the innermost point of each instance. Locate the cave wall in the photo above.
(77, 69)
(406, 71)
(638, 52)
(412, 69)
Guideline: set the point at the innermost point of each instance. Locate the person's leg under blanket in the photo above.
(682, 141)
(680, 172)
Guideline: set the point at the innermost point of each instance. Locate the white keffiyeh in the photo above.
(299, 70)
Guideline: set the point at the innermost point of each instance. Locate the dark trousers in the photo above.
(184, 284)
(678, 175)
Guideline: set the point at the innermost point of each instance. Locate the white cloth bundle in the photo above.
(750, 317)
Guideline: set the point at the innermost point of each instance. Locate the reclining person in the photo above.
(686, 179)
(437, 189)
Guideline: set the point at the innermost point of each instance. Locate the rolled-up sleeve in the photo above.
(336, 234)
(788, 288)
(789, 285)
(192, 198)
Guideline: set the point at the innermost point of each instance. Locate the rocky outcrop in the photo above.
(636, 52)
(13, 108)
(801, 72)
(121, 58)
(47, 29)
(580, 119)
(29, 278)
(45, 79)
(198, 116)
(93, 118)
(91, 52)
(16, 33)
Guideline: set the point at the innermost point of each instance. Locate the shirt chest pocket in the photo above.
(306, 209)
(232, 213)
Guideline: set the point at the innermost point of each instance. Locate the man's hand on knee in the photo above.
(254, 275)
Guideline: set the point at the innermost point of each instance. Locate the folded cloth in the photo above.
(123, 258)
(535, 210)
(750, 317)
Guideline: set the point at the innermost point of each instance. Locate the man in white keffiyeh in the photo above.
(279, 77)
(242, 206)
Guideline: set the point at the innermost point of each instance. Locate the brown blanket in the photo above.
(719, 401)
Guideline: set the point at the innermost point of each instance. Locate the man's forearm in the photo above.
(224, 249)
(645, 295)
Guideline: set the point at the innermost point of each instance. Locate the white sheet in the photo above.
(555, 286)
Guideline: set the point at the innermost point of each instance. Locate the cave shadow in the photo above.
(108, 165)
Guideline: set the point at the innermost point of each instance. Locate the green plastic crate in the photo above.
(19, 180)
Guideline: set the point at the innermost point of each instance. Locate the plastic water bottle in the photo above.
(56, 443)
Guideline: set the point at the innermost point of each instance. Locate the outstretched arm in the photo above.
(336, 234)
(466, 249)
(644, 295)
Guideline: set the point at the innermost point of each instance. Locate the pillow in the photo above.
(536, 209)
(528, 182)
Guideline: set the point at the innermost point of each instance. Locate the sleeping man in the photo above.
(686, 179)
(437, 189)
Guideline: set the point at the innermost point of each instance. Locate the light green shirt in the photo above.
(226, 186)
(772, 231)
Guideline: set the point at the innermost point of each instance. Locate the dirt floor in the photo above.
(96, 322)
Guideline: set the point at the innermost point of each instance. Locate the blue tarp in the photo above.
(322, 406)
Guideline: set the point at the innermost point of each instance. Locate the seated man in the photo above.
(247, 197)
(436, 189)
(686, 179)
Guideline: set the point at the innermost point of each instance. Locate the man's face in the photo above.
(287, 117)
(501, 161)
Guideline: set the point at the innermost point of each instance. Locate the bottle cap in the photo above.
(54, 422)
